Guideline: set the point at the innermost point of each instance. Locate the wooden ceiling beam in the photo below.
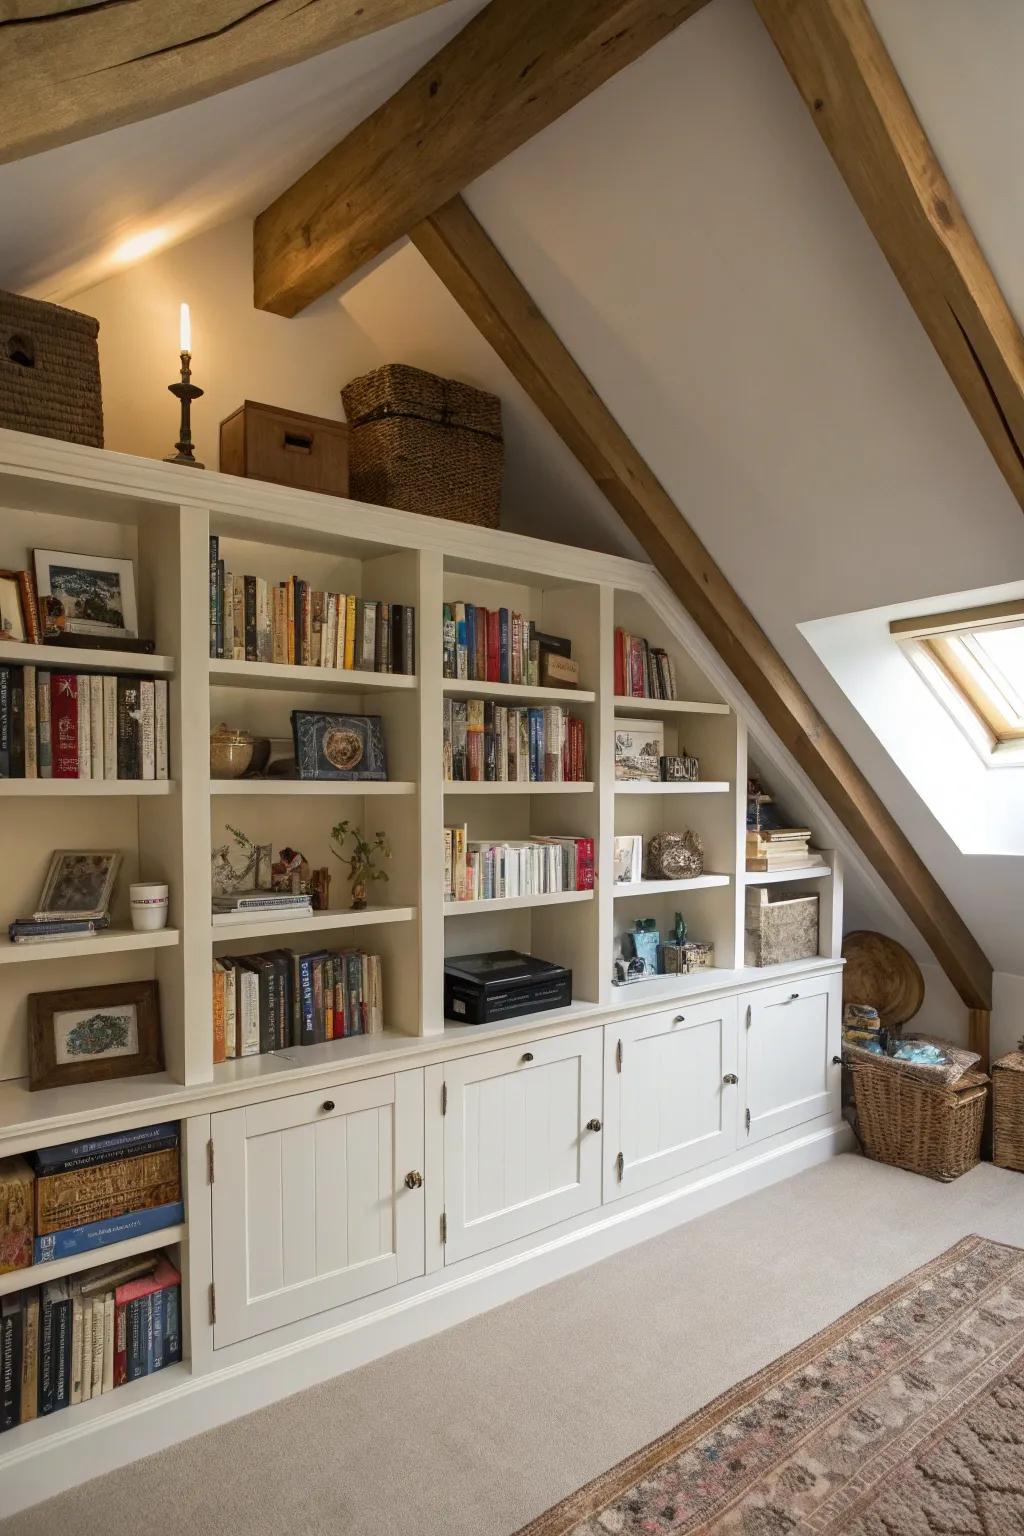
(475, 273)
(839, 64)
(71, 68)
(512, 70)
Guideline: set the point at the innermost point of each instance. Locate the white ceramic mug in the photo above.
(148, 902)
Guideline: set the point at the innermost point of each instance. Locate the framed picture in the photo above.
(89, 1034)
(639, 748)
(19, 616)
(86, 594)
(329, 746)
(79, 883)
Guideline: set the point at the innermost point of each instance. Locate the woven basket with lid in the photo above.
(931, 1129)
(1008, 1111)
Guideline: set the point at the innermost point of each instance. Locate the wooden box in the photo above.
(16, 1228)
(264, 442)
(779, 928)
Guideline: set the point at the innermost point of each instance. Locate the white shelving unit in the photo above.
(56, 1269)
(625, 888)
(110, 941)
(516, 903)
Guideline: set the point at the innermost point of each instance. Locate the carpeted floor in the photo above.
(478, 1430)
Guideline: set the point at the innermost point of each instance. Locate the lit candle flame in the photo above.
(186, 329)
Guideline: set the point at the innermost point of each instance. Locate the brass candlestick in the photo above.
(186, 392)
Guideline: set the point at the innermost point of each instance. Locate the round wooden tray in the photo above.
(881, 973)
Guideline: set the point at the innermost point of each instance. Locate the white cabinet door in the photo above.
(793, 1047)
(518, 1154)
(310, 1204)
(671, 1094)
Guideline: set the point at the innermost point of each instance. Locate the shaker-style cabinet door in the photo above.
(522, 1140)
(671, 1094)
(793, 1049)
(311, 1203)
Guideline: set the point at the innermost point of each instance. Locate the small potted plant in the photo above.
(361, 858)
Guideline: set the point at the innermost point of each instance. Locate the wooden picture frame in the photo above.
(86, 595)
(74, 876)
(62, 1050)
(18, 608)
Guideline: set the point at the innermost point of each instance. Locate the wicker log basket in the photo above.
(1008, 1111)
(425, 444)
(49, 371)
(931, 1129)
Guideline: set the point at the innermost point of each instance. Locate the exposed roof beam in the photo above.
(71, 68)
(857, 101)
(512, 70)
(476, 274)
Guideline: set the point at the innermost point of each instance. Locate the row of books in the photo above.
(271, 1001)
(777, 848)
(489, 871)
(289, 622)
(490, 645)
(68, 725)
(486, 742)
(71, 1340)
(642, 671)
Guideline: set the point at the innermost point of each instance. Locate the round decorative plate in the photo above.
(882, 974)
(343, 749)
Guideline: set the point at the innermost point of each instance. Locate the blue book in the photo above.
(504, 675)
(135, 1365)
(100, 1234)
(471, 639)
(53, 1297)
(104, 1149)
(306, 1009)
(149, 1332)
(172, 1325)
(214, 557)
(536, 718)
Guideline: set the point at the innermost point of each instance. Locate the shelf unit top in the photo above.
(81, 658)
(515, 693)
(108, 941)
(513, 903)
(227, 927)
(85, 788)
(626, 705)
(338, 787)
(516, 787)
(782, 876)
(623, 888)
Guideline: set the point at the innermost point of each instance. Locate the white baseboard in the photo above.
(108, 1434)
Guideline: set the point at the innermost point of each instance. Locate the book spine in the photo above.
(62, 1354)
(17, 723)
(114, 1229)
(308, 1034)
(63, 724)
(43, 725)
(147, 729)
(84, 1196)
(172, 1330)
(264, 640)
(96, 1382)
(128, 728)
(102, 1149)
(151, 1143)
(251, 649)
(227, 615)
(250, 1011)
(84, 726)
(30, 1356)
(46, 1374)
(160, 704)
(109, 726)
(96, 734)
(121, 1343)
(503, 646)
(136, 1362)
(29, 685)
(108, 1342)
(409, 639)
(214, 557)
(10, 1362)
(155, 1343)
(218, 1014)
(238, 623)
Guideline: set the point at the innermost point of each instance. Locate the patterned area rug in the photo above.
(904, 1418)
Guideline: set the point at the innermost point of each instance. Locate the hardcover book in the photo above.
(83, 1195)
(329, 746)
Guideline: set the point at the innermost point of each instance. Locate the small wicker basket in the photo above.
(931, 1129)
(1008, 1111)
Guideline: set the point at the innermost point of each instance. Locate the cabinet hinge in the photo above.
(444, 1226)
(209, 1161)
(618, 1057)
(747, 1118)
(748, 1015)
(213, 1302)
(620, 1166)
(444, 1098)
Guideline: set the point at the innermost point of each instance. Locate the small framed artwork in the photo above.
(329, 746)
(19, 615)
(90, 1034)
(86, 595)
(639, 748)
(79, 884)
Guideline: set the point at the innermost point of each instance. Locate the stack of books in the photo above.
(92, 1193)
(251, 906)
(290, 623)
(489, 871)
(775, 848)
(485, 742)
(80, 725)
(271, 1001)
(642, 671)
(71, 1340)
(46, 930)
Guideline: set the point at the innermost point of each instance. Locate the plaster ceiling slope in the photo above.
(690, 238)
(66, 211)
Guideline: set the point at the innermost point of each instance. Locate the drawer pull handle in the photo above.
(526, 1056)
(837, 1061)
(327, 1106)
(730, 1077)
(680, 1018)
(593, 1125)
(792, 997)
(414, 1180)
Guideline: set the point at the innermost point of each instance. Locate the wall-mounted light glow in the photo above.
(138, 246)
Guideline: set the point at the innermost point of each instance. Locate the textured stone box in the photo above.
(779, 928)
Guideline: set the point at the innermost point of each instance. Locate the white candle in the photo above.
(186, 329)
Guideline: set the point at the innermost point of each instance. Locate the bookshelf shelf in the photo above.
(39, 1274)
(629, 706)
(86, 789)
(269, 674)
(117, 1406)
(461, 688)
(340, 788)
(781, 876)
(111, 941)
(81, 658)
(645, 787)
(662, 887)
(225, 927)
(511, 903)
(475, 787)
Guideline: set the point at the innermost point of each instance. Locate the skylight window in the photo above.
(974, 661)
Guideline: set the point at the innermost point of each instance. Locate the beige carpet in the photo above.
(478, 1430)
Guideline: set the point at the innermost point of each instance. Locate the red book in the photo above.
(64, 724)
(584, 863)
(494, 647)
(620, 671)
(163, 1277)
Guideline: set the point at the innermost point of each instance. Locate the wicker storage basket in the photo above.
(425, 444)
(1008, 1111)
(49, 371)
(934, 1130)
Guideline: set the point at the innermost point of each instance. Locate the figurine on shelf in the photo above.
(680, 954)
(290, 872)
(360, 861)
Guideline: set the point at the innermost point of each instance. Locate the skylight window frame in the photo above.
(944, 649)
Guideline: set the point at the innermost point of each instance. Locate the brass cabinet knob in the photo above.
(327, 1106)
(414, 1180)
(730, 1077)
(526, 1056)
(593, 1125)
